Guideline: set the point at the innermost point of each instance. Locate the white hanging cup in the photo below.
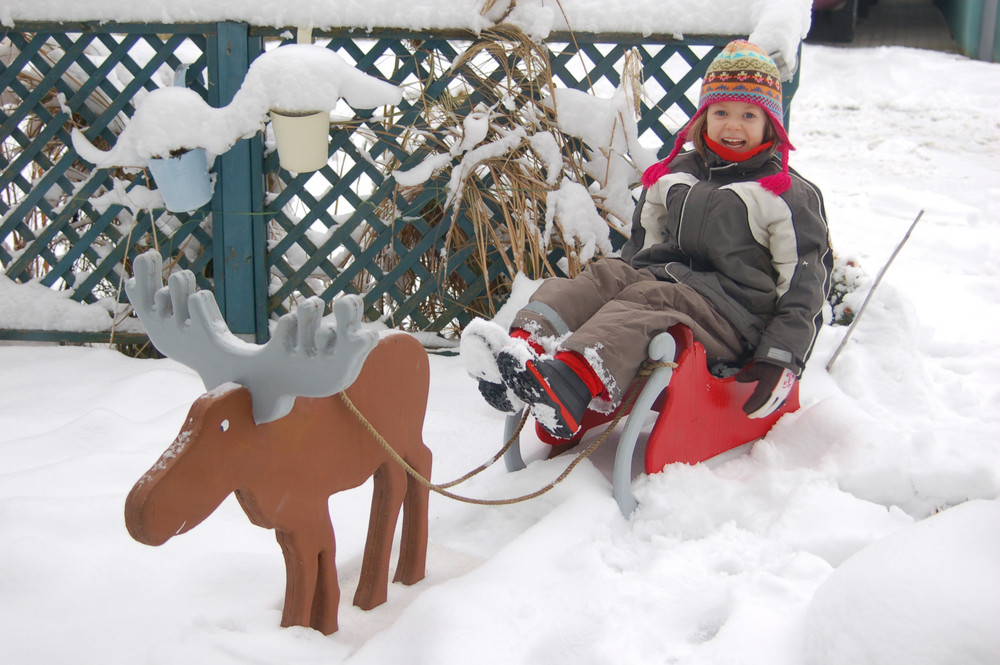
(301, 137)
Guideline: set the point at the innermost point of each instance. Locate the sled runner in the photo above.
(700, 415)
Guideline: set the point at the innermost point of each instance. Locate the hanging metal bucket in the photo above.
(183, 180)
(302, 139)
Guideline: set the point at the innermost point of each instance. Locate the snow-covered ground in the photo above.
(864, 529)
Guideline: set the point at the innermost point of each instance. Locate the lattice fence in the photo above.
(271, 237)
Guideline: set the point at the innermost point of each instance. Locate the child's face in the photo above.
(737, 125)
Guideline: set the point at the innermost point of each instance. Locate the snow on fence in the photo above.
(506, 154)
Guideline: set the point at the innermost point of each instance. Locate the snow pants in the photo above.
(611, 311)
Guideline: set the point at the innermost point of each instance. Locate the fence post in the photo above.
(987, 35)
(238, 229)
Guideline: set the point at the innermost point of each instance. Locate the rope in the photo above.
(486, 465)
(441, 489)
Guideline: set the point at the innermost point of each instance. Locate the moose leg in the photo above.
(413, 541)
(387, 499)
(326, 600)
(312, 593)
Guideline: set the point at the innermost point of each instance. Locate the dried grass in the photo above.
(495, 210)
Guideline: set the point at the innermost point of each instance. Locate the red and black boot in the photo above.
(558, 397)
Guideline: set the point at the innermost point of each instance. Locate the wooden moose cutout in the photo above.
(273, 430)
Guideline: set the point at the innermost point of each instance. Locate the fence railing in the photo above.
(270, 237)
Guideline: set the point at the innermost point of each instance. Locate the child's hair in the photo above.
(696, 132)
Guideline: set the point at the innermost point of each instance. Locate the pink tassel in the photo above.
(779, 183)
(654, 173)
(660, 169)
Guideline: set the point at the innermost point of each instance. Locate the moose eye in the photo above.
(224, 426)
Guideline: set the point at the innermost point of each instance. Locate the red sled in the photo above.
(700, 415)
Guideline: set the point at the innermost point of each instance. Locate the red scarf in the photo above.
(730, 155)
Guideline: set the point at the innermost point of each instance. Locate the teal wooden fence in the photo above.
(270, 237)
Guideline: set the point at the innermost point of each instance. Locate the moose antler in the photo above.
(305, 356)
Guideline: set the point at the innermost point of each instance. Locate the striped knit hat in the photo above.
(743, 72)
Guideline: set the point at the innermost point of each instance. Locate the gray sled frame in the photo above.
(662, 348)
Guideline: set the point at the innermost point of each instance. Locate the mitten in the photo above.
(773, 385)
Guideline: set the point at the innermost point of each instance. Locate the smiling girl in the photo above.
(726, 239)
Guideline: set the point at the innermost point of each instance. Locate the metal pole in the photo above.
(878, 279)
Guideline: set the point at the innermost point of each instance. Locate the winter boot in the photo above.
(557, 395)
(500, 397)
(481, 341)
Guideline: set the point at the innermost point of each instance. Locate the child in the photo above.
(726, 240)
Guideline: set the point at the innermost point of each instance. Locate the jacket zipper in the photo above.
(680, 224)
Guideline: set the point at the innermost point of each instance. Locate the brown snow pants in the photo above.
(611, 311)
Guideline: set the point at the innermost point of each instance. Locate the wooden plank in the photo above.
(113, 27)
(73, 337)
(237, 220)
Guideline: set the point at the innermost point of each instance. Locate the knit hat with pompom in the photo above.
(743, 72)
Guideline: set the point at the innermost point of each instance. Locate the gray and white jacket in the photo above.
(763, 260)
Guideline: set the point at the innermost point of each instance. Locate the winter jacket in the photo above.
(763, 260)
